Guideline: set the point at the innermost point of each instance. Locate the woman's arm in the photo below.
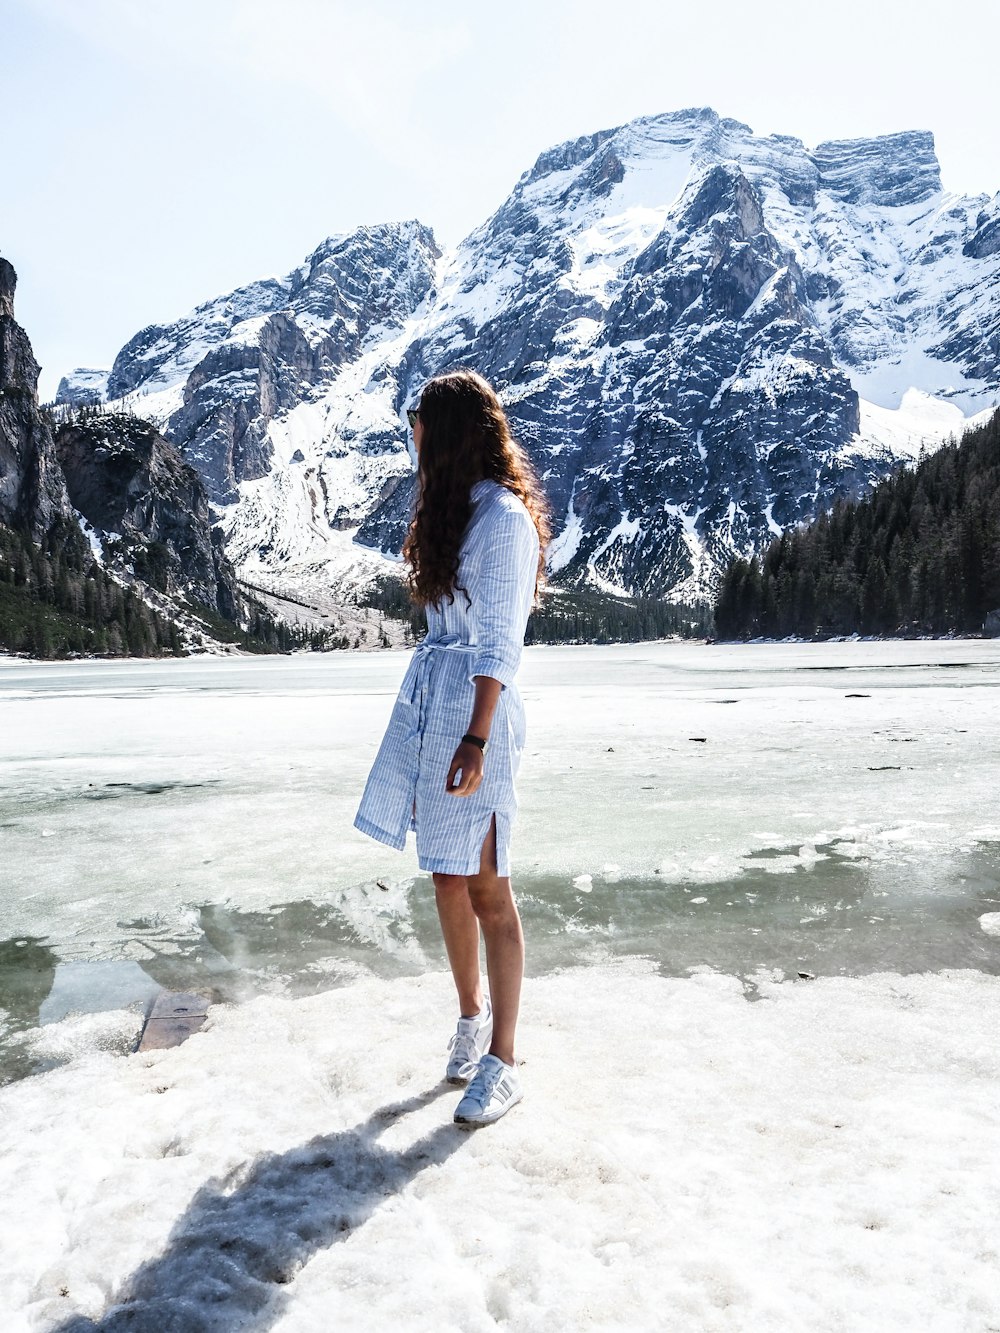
(469, 758)
(504, 594)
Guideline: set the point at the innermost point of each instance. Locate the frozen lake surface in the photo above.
(827, 808)
(708, 1140)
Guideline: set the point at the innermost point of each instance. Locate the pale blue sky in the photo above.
(158, 152)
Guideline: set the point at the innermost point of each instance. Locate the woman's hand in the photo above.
(468, 758)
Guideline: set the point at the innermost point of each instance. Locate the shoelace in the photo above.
(464, 1046)
(483, 1085)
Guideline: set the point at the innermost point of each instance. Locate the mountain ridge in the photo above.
(701, 335)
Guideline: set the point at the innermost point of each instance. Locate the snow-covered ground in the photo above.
(708, 1140)
(822, 1159)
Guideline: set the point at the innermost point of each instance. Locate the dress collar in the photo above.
(480, 489)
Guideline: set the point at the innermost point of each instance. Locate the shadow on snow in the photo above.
(235, 1247)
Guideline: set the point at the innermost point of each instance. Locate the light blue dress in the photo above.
(479, 636)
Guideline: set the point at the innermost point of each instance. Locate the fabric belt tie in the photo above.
(422, 657)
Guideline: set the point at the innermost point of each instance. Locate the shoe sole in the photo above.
(467, 1122)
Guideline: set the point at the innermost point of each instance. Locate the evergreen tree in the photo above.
(920, 554)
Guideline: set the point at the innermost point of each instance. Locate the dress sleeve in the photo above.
(506, 591)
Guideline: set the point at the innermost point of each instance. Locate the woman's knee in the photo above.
(448, 885)
(491, 897)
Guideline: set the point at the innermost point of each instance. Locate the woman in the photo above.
(446, 766)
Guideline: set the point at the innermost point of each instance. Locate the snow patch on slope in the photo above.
(920, 422)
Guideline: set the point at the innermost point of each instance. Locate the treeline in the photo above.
(583, 616)
(919, 555)
(76, 414)
(570, 616)
(57, 601)
(389, 596)
(264, 633)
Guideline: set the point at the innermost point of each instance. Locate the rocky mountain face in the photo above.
(147, 509)
(84, 387)
(32, 487)
(236, 364)
(134, 489)
(702, 336)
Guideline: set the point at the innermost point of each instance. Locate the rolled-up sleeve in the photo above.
(505, 592)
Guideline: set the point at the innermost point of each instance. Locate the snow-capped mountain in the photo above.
(701, 335)
(83, 387)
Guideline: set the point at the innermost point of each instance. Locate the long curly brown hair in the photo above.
(465, 438)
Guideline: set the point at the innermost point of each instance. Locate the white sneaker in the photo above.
(494, 1090)
(472, 1038)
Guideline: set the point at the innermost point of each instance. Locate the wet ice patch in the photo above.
(92, 987)
(380, 914)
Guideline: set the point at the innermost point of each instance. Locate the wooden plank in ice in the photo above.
(175, 1015)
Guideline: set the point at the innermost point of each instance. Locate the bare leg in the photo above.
(460, 928)
(493, 903)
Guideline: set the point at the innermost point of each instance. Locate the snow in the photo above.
(565, 545)
(757, 1149)
(577, 333)
(155, 405)
(770, 375)
(900, 281)
(919, 422)
(93, 540)
(769, 518)
(892, 381)
(625, 530)
(88, 379)
(696, 585)
(815, 1158)
(247, 332)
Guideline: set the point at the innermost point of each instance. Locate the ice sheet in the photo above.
(829, 808)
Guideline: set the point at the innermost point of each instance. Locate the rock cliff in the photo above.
(147, 508)
(32, 487)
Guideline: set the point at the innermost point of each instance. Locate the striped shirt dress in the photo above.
(481, 635)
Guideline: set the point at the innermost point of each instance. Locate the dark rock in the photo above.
(985, 240)
(32, 491)
(892, 169)
(127, 480)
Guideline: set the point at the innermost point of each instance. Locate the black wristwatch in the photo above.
(476, 740)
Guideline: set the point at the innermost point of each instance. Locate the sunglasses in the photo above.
(411, 415)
